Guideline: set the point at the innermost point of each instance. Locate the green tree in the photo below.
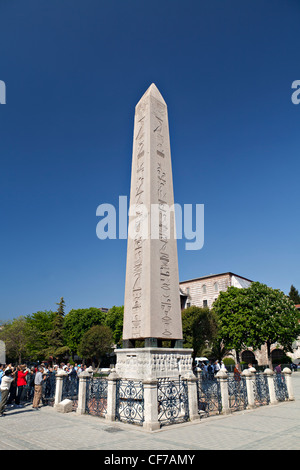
(56, 347)
(17, 335)
(79, 321)
(114, 319)
(255, 316)
(294, 295)
(95, 343)
(61, 307)
(232, 311)
(41, 323)
(199, 327)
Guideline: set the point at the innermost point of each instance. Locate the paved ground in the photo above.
(265, 428)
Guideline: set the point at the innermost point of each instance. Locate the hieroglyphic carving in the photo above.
(138, 241)
(159, 113)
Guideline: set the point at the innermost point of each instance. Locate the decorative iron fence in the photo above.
(237, 393)
(172, 396)
(130, 401)
(96, 396)
(49, 386)
(261, 390)
(70, 389)
(209, 396)
(281, 391)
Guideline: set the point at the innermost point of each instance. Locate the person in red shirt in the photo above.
(21, 383)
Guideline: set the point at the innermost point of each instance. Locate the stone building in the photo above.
(203, 291)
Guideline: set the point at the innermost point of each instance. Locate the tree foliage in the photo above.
(254, 316)
(17, 336)
(294, 295)
(78, 322)
(114, 319)
(199, 327)
(41, 323)
(96, 342)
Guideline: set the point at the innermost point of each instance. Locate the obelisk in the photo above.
(152, 301)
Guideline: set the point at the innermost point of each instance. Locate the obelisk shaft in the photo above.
(152, 301)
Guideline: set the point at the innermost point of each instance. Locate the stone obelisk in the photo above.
(152, 301)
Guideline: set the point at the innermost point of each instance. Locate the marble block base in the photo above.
(145, 363)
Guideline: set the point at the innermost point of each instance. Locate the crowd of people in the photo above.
(209, 368)
(22, 384)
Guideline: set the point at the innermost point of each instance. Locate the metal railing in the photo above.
(96, 396)
(237, 393)
(70, 389)
(209, 395)
(130, 401)
(172, 397)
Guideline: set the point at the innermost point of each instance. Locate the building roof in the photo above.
(215, 275)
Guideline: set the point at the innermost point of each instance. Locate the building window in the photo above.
(204, 303)
(187, 291)
(204, 289)
(216, 287)
(188, 304)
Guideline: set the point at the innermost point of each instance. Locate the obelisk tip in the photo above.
(154, 91)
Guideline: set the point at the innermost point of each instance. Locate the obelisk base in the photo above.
(155, 363)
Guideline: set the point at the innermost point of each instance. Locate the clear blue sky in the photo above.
(74, 71)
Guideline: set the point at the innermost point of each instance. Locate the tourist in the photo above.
(1, 374)
(216, 367)
(72, 372)
(210, 370)
(30, 383)
(278, 369)
(223, 367)
(38, 382)
(251, 368)
(6, 382)
(204, 370)
(236, 373)
(13, 386)
(44, 366)
(22, 371)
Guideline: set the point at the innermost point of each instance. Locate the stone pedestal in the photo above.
(146, 363)
(288, 379)
(223, 380)
(151, 422)
(250, 387)
(269, 374)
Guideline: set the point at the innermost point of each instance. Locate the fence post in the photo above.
(111, 395)
(151, 422)
(83, 377)
(223, 380)
(59, 386)
(193, 397)
(269, 373)
(288, 380)
(250, 387)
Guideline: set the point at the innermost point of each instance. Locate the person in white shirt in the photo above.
(216, 367)
(5, 387)
(38, 381)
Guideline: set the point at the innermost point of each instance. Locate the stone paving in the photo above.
(274, 427)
